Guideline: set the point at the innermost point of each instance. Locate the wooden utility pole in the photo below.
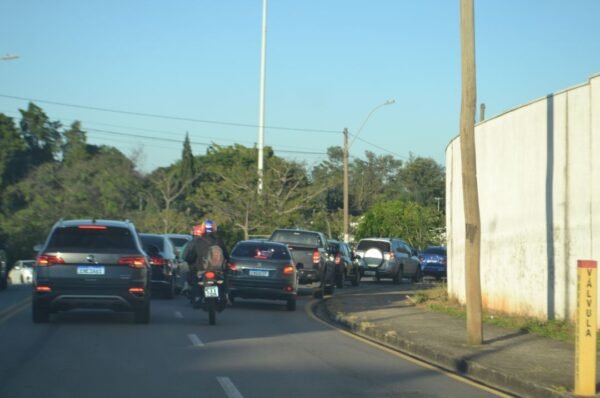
(346, 204)
(469, 174)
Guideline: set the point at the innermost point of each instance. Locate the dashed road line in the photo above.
(229, 387)
(195, 340)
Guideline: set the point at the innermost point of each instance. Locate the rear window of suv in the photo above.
(297, 238)
(262, 251)
(365, 245)
(82, 239)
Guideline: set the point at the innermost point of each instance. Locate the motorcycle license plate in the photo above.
(211, 291)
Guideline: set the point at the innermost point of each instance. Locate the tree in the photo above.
(422, 180)
(43, 136)
(74, 147)
(368, 180)
(12, 152)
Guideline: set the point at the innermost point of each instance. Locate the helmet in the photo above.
(209, 226)
(198, 230)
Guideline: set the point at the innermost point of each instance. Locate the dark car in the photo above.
(3, 270)
(262, 270)
(92, 264)
(434, 261)
(310, 253)
(389, 258)
(179, 241)
(164, 264)
(347, 266)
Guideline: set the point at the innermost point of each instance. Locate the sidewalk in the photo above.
(519, 363)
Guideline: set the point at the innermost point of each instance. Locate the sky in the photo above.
(140, 74)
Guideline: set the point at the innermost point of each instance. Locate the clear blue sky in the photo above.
(329, 63)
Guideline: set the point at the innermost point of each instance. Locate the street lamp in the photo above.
(261, 111)
(346, 154)
(8, 57)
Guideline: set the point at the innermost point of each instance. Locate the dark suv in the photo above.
(92, 264)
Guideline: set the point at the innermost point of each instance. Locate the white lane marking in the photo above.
(229, 387)
(178, 315)
(195, 340)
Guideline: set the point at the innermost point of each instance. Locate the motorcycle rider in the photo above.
(206, 252)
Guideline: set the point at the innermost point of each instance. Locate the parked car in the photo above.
(434, 261)
(262, 270)
(347, 266)
(3, 270)
(92, 264)
(21, 272)
(310, 254)
(164, 264)
(389, 258)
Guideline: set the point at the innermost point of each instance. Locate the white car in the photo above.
(21, 272)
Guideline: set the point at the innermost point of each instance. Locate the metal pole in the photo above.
(346, 210)
(261, 111)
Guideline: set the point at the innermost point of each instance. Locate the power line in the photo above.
(168, 117)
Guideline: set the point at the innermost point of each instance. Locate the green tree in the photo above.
(74, 147)
(43, 136)
(423, 180)
(419, 225)
(12, 152)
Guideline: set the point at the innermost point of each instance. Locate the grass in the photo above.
(436, 300)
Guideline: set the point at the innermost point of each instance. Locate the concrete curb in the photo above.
(511, 383)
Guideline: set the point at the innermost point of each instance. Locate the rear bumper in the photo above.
(279, 290)
(68, 299)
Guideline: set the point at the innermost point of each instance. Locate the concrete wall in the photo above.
(538, 169)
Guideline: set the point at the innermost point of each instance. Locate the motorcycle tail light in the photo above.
(338, 259)
(209, 275)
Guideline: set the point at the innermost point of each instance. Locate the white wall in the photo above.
(538, 169)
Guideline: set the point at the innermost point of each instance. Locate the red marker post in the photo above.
(585, 328)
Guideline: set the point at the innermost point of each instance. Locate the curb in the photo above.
(496, 378)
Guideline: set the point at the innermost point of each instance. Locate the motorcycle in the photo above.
(211, 294)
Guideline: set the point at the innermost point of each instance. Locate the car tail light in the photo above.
(46, 260)
(316, 257)
(338, 259)
(232, 267)
(44, 289)
(288, 270)
(136, 290)
(209, 275)
(288, 288)
(158, 261)
(92, 227)
(392, 255)
(133, 261)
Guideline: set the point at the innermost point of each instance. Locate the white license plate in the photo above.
(211, 291)
(90, 270)
(370, 273)
(256, 272)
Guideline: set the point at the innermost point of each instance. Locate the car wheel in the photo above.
(291, 304)
(40, 314)
(340, 278)
(397, 276)
(330, 289)
(142, 315)
(417, 276)
(356, 278)
(320, 292)
(170, 292)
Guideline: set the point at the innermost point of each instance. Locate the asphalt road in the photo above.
(257, 349)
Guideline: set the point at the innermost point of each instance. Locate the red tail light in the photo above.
(45, 289)
(288, 270)
(158, 261)
(232, 266)
(136, 290)
(46, 260)
(288, 288)
(392, 255)
(209, 275)
(133, 261)
(338, 259)
(316, 257)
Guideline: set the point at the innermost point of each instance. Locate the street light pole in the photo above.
(346, 156)
(261, 111)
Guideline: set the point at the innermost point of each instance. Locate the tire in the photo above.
(339, 279)
(142, 315)
(212, 313)
(397, 279)
(356, 278)
(39, 314)
(417, 277)
(373, 257)
(291, 304)
(320, 292)
(329, 289)
(232, 299)
(170, 292)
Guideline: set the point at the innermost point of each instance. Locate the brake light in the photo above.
(338, 259)
(392, 255)
(232, 266)
(133, 261)
(288, 288)
(288, 270)
(44, 289)
(46, 260)
(209, 275)
(316, 257)
(136, 290)
(92, 227)
(158, 261)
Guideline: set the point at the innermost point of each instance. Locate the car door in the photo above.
(412, 259)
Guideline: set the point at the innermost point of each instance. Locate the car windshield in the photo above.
(179, 242)
(379, 244)
(261, 251)
(77, 239)
(435, 250)
(152, 240)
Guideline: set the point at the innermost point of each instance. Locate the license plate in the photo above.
(256, 272)
(211, 291)
(90, 270)
(370, 273)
